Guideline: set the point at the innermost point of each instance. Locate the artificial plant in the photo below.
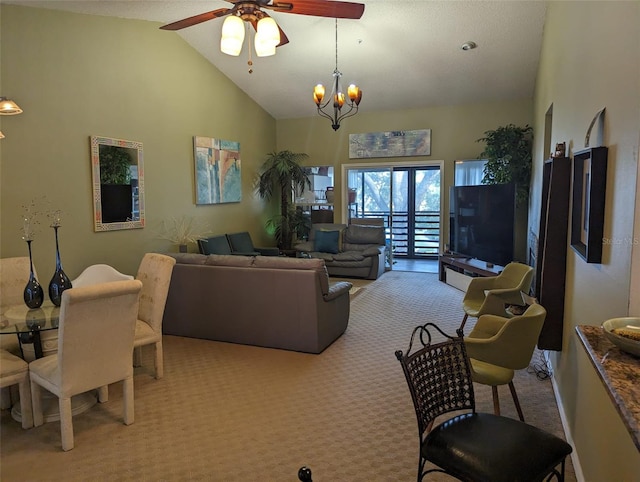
(508, 154)
(115, 165)
(282, 175)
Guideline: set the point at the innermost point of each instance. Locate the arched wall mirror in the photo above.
(118, 184)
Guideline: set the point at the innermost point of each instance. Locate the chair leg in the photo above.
(137, 356)
(66, 423)
(159, 360)
(36, 403)
(516, 401)
(26, 407)
(464, 321)
(5, 398)
(127, 400)
(496, 401)
(103, 394)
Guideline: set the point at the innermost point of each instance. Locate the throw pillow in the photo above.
(326, 241)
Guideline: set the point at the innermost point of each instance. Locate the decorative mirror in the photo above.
(118, 184)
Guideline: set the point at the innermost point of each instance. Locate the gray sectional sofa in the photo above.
(267, 301)
(359, 250)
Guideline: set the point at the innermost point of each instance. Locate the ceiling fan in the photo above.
(252, 11)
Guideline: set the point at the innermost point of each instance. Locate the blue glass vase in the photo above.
(33, 293)
(60, 281)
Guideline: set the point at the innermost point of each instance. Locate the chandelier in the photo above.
(332, 108)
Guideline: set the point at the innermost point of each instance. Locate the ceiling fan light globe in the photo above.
(264, 49)
(267, 31)
(231, 46)
(232, 35)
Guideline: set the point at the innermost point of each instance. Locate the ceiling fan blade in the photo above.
(319, 8)
(283, 38)
(196, 19)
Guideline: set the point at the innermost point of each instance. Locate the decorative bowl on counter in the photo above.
(630, 326)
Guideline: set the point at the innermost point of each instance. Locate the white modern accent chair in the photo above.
(99, 273)
(15, 371)
(96, 330)
(155, 273)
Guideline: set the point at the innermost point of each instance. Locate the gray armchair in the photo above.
(241, 244)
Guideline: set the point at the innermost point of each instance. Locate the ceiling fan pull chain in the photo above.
(249, 62)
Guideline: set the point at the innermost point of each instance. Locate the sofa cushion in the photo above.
(326, 241)
(325, 227)
(229, 260)
(189, 258)
(349, 256)
(281, 262)
(356, 234)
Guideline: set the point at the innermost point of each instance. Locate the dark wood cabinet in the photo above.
(551, 259)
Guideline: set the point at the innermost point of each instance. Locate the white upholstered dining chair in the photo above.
(99, 273)
(14, 274)
(155, 273)
(96, 329)
(15, 371)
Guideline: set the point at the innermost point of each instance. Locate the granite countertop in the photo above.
(620, 374)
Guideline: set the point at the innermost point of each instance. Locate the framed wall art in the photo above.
(587, 216)
(217, 171)
(390, 144)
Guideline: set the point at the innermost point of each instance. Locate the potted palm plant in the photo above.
(282, 175)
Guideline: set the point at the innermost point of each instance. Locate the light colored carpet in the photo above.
(226, 412)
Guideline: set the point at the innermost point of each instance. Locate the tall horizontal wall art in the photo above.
(217, 170)
(390, 144)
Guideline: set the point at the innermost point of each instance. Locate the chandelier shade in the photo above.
(332, 107)
(9, 107)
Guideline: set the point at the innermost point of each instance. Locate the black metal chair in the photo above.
(471, 446)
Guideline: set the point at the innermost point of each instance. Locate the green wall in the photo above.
(589, 60)
(454, 131)
(80, 75)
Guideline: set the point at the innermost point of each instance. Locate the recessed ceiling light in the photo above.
(469, 45)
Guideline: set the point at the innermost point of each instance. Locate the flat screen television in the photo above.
(482, 222)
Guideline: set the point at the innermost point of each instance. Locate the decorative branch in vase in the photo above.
(182, 231)
(33, 294)
(60, 281)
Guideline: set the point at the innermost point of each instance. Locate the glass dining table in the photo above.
(37, 332)
(29, 325)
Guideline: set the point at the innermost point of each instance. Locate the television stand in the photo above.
(465, 265)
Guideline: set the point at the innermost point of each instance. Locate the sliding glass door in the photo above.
(407, 197)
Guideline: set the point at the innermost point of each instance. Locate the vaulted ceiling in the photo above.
(402, 53)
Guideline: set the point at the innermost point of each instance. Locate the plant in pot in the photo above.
(508, 154)
(281, 176)
(115, 184)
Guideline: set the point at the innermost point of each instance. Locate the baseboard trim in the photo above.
(575, 459)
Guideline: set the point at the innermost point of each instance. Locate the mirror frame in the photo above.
(96, 142)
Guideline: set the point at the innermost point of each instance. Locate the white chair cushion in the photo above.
(11, 364)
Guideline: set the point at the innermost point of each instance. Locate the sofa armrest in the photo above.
(337, 289)
(373, 251)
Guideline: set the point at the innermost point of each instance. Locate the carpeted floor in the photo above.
(227, 412)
